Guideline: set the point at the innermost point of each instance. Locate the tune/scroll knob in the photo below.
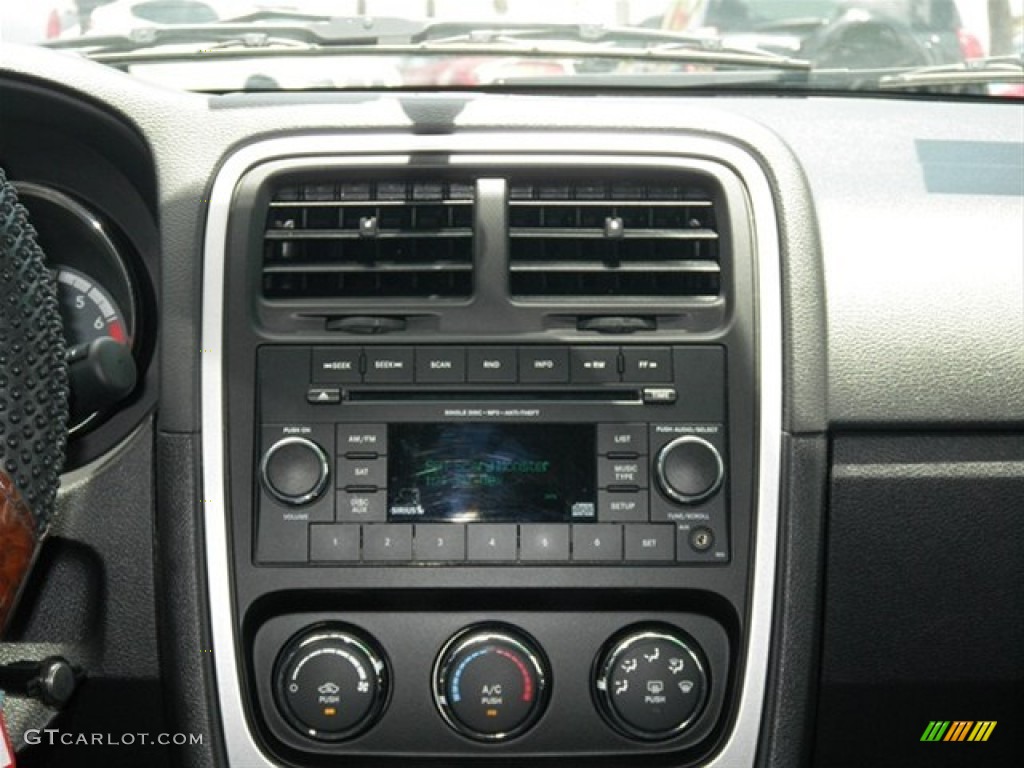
(689, 469)
(491, 683)
(295, 470)
(331, 683)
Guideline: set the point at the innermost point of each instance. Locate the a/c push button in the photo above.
(490, 683)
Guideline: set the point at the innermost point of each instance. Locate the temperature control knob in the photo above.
(490, 683)
(689, 469)
(295, 470)
(331, 684)
(650, 684)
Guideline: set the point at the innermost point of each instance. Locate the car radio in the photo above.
(474, 454)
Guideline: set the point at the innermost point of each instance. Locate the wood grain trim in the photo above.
(17, 546)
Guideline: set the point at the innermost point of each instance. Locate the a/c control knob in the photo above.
(295, 470)
(490, 683)
(331, 684)
(650, 684)
(689, 469)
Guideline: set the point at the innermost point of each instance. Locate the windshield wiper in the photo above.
(391, 36)
(994, 69)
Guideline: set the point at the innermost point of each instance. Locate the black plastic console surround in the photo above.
(603, 446)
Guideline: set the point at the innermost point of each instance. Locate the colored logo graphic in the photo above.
(958, 730)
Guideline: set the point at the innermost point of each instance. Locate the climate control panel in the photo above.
(334, 683)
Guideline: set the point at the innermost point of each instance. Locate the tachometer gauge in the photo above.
(88, 310)
(97, 301)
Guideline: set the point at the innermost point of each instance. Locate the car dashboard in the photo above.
(588, 428)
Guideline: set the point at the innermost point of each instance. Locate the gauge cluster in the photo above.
(105, 297)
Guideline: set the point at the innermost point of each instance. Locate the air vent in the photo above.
(369, 239)
(603, 239)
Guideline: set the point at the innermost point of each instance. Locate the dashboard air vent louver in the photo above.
(369, 239)
(610, 239)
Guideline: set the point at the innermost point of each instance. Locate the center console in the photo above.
(489, 451)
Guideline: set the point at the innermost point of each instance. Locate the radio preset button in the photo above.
(651, 543)
(544, 365)
(491, 365)
(441, 543)
(440, 365)
(387, 542)
(337, 365)
(491, 541)
(542, 542)
(622, 506)
(389, 365)
(597, 543)
(361, 507)
(595, 365)
(362, 473)
(333, 543)
(647, 365)
(362, 439)
(622, 439)
(621, 473)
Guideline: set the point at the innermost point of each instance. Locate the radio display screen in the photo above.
(464, 473)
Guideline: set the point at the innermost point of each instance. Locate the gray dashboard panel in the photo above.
(918, 330)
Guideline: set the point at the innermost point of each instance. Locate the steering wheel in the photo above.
(33, 398)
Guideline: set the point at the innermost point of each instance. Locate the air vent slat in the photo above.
(369, 239)
(636, 266)
(594, 238)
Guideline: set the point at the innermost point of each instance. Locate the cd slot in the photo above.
(605, 395)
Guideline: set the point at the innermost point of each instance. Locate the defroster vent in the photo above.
(369, 239)
(611, 239)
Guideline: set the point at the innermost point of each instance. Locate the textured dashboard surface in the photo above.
(922, 323)
(918, 331)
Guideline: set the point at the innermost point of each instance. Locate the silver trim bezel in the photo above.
(476, 149)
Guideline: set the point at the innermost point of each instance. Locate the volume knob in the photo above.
(295, 470)
(689, 469)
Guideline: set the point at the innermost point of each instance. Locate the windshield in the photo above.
(973, 47)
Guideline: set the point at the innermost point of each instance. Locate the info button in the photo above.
(544, 365)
